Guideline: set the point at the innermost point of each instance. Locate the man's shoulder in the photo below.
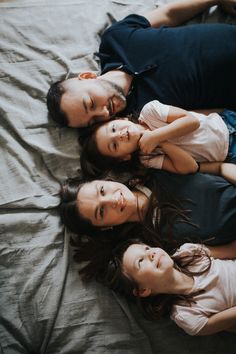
(130, 21)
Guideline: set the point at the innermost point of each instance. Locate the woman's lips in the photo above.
(122, 202)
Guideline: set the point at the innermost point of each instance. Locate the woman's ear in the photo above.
(142, 292)
(87, 75)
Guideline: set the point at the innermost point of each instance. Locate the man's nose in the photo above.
(103, 111)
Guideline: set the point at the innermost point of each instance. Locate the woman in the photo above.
(164, 207)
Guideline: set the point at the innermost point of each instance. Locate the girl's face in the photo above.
(107, 203)
(118, 138)
(151, 268)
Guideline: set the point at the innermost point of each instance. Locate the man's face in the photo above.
(92, 100)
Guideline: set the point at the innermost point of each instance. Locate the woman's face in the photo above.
(150, 267)
(107, 203)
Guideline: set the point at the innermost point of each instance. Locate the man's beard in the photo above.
(117, 91)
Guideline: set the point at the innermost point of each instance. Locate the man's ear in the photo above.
(142, 292)
(126, 157)
(87, 75)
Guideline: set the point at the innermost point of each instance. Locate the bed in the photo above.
(44, 305)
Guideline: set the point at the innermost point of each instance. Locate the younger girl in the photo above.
(168, 138)
(195, 289)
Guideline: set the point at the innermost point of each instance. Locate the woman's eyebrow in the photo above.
(96, 211)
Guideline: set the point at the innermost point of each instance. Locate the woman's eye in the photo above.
(102, 190)
(101, 212)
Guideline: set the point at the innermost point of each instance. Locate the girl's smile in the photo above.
(118, 138)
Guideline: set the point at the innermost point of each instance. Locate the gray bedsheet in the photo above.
(44, 306)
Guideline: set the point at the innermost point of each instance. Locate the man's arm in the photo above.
(221, 321)
(178, 12)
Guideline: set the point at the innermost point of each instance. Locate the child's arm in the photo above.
(177, 160)
(181, 122)
(224, 169)
(227, 251)
(221, 321)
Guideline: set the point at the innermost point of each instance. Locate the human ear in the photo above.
(87, 75)
(142, 292)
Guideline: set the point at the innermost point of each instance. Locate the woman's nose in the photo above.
(110, 201)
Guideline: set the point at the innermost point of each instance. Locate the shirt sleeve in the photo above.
(132, 21)
(154, 114)
(189, 318)
(155, 161)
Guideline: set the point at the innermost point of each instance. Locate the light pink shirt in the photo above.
(210, 142)
(219, 284)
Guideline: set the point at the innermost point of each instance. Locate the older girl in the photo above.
(166, 137)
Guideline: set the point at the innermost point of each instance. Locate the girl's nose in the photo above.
(122, 135)
(151, 254)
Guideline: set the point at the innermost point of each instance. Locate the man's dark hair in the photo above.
(54, 95)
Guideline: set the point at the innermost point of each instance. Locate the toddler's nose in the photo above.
(123, 134)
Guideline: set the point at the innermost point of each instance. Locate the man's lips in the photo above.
(111, 107)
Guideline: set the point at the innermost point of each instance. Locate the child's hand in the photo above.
(148, 142)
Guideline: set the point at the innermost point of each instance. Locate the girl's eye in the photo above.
(113, 129)
(102, 190)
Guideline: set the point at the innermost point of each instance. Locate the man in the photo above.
(188, 66)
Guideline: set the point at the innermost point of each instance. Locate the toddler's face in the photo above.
(118, 138)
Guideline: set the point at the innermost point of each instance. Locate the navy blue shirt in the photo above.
(210, 202)
(190, 66)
